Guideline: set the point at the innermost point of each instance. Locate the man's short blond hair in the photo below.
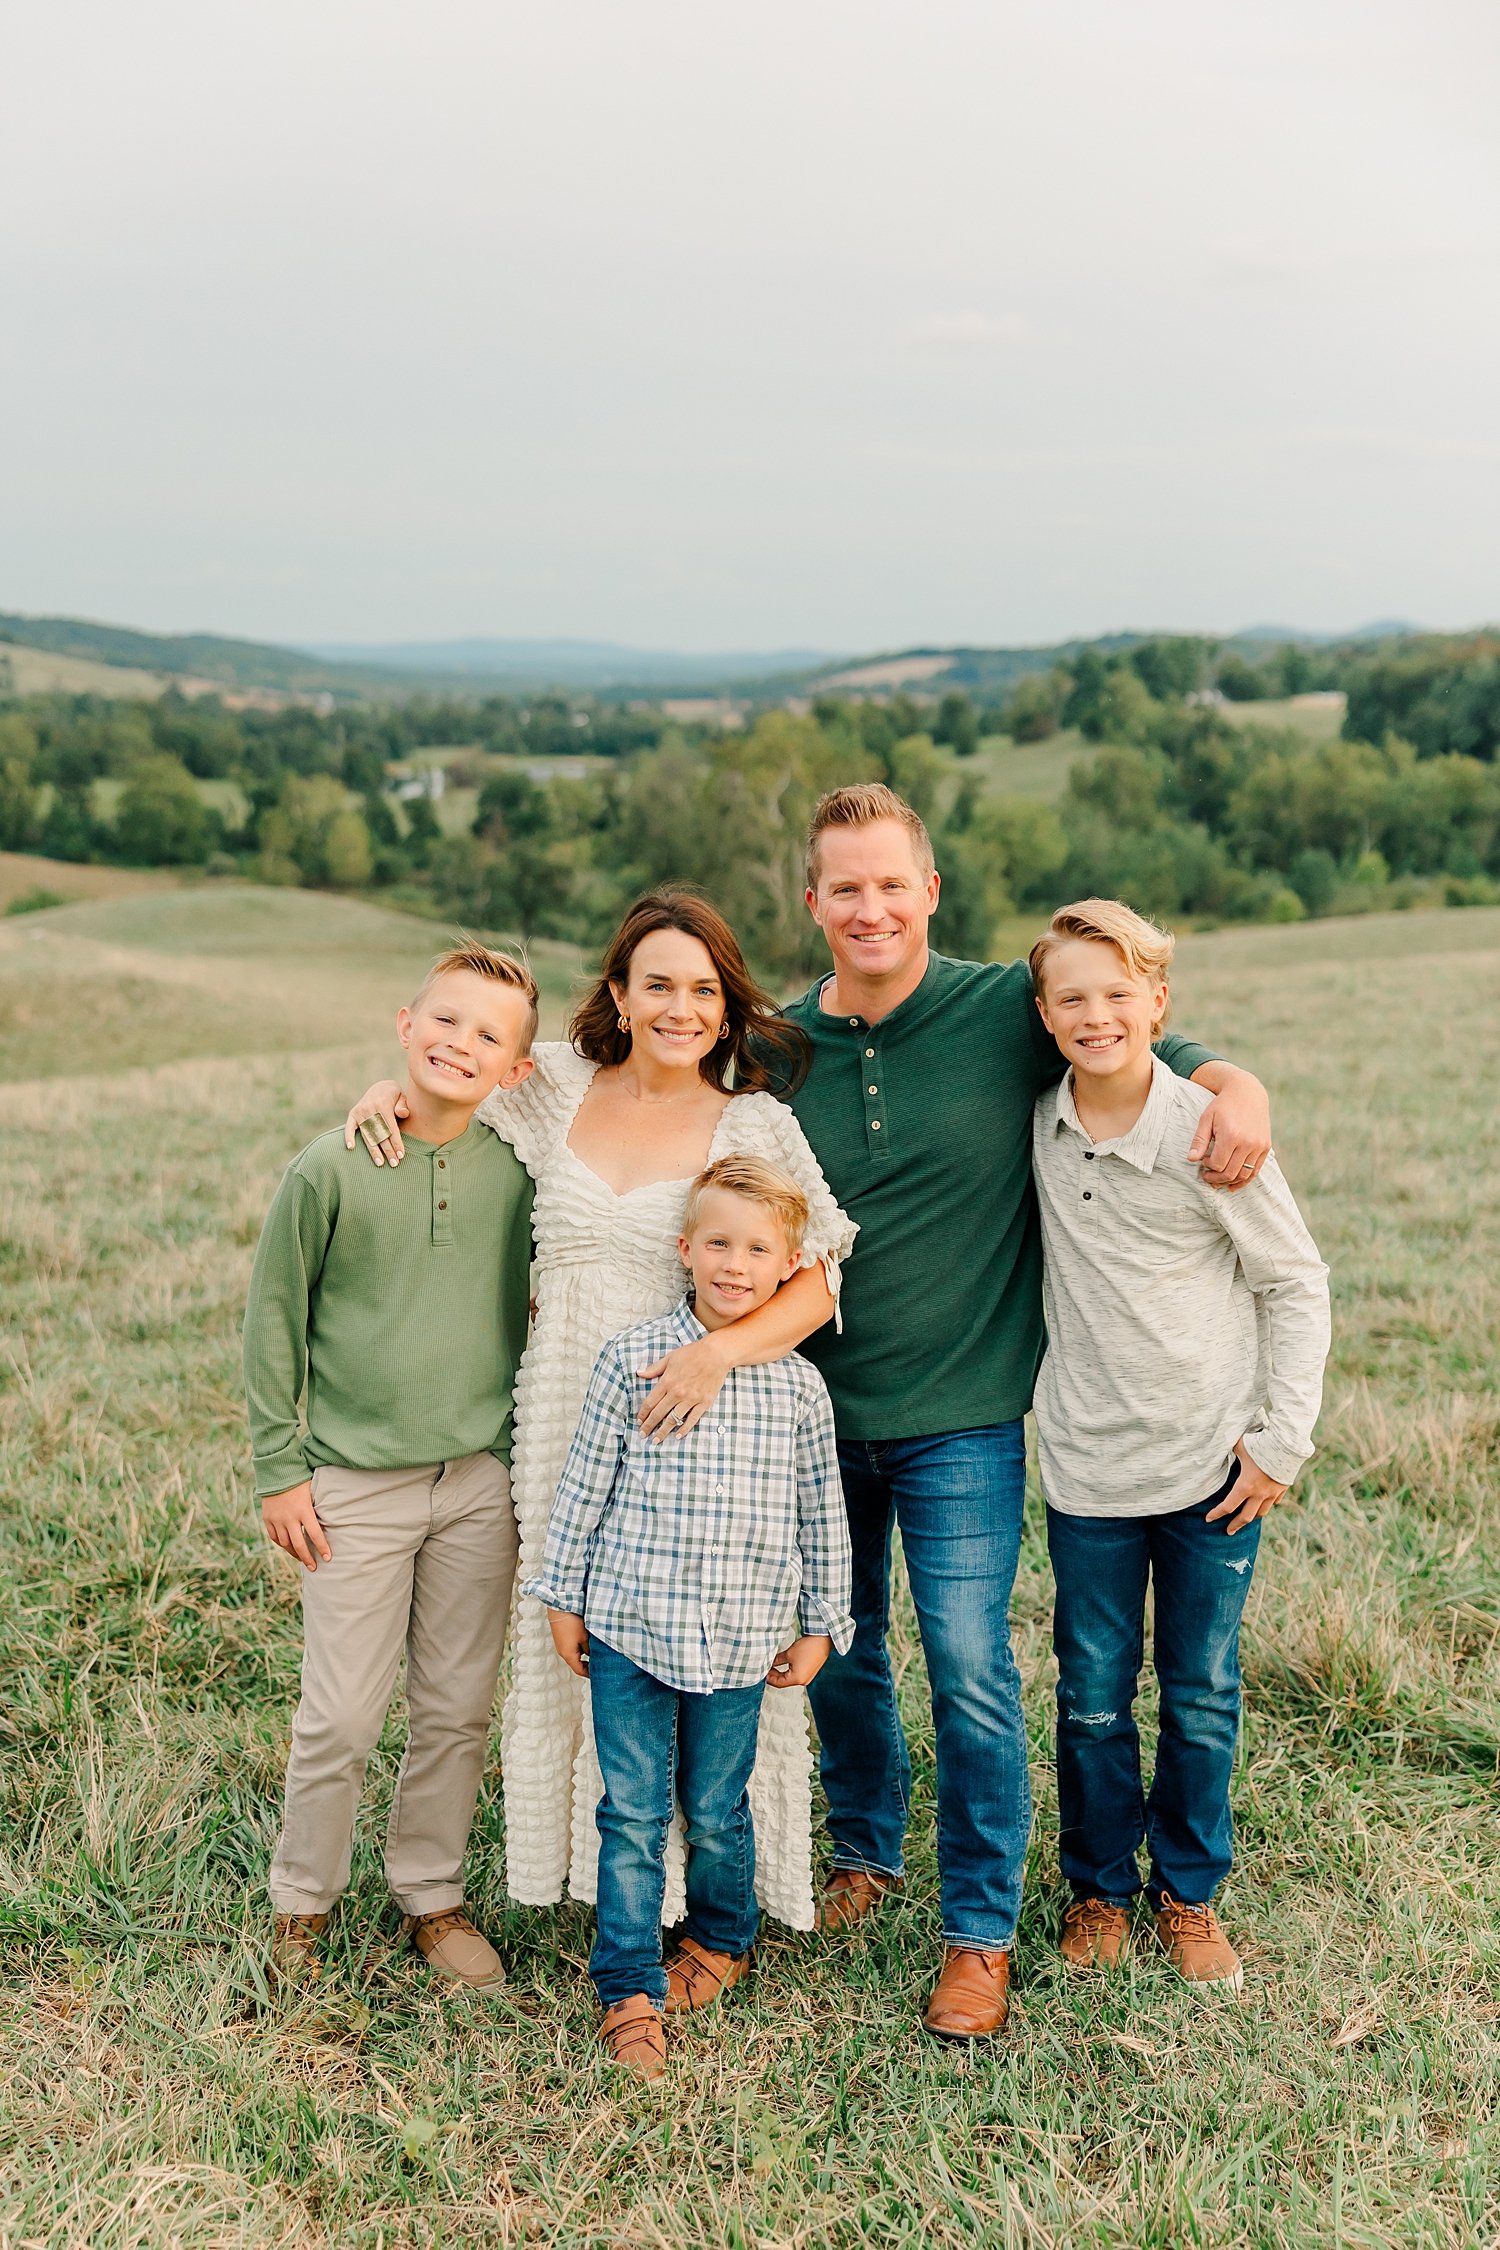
(759, 1182)
(497, 968)
(1145, 950)
(860, 805)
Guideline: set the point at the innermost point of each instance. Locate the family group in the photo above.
(638, 1347)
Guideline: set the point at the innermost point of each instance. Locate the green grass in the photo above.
(1030, 769)
(150, 2095)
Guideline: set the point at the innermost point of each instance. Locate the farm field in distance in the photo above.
(166, 1052)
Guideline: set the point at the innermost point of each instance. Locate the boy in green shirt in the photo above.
(399, 1306)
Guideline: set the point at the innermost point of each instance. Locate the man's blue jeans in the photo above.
(1200, 1577)
(654, 1742)
(958, 1501)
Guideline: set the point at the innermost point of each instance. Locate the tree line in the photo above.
(1174, 802)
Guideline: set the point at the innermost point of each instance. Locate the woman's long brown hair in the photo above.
(763, 1053)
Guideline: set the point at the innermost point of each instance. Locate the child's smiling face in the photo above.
(737, 1255)
(1102, 1017)
(462, 1035)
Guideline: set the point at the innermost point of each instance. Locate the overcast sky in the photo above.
(843, 323)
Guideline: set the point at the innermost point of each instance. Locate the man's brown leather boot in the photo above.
(971, 1999)
(850, 1894)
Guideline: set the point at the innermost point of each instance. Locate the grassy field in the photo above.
(184, 1045)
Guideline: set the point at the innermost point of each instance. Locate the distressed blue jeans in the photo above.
(655, 1742)
(1199, 1578)
(958, 1501)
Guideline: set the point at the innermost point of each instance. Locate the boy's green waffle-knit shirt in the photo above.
(398, 1298)
(922, 1124)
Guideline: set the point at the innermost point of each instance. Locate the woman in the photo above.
(613, 1125)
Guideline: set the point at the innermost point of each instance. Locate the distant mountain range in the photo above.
(567, 663)
(387, 670)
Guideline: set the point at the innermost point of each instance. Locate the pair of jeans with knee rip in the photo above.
(656, 1743)
(1199, 1578)
(957, 1500)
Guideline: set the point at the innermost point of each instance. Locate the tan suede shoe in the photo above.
(296, 1956)
(850, 1894)
(633, 2035)
(451, 1946)
(1195, 1945)
(1094, 1934)
(696, 1978)
(971, 1999)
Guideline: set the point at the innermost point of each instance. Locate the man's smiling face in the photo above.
(873, 900)
(461, 1036)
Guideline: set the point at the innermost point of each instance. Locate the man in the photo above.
(918, 1105)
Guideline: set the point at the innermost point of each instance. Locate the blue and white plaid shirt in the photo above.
(700, 1557)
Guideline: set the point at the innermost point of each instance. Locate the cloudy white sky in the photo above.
(848, 323)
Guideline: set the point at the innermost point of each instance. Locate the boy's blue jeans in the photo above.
(958, 1500)
(655, 1743)
(1200, 1578)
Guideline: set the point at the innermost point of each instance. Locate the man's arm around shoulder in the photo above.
(1233, 1139)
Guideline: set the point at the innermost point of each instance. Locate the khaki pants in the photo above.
(423, 1561)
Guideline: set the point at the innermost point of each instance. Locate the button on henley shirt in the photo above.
(1180, 1319)
(398, 1297)
(922, 1124)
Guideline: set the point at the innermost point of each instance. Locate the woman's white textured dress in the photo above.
(604, 1262)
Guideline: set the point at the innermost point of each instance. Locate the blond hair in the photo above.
(497, 968)
(1145, 950)
(858, 806)
(759, 1182)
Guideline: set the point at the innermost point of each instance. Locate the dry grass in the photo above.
(24, 873)
(149, 2095)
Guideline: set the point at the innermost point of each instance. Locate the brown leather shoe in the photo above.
(296, 1956)
(1195, 1945)
(451, 1946)
(696, 1978)
(851, 1893)
(1094, 1934)
(633, 2035)
(971, 1999)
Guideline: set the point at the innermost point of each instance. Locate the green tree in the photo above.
(957, 724)
(1033, 709)
(161, 821)
(347, 858)
(19, 823)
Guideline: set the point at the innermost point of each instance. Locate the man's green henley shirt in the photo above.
(922, 1124)
(398, 1298)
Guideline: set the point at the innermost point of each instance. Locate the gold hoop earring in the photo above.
(624, 1022)
(723, 1031)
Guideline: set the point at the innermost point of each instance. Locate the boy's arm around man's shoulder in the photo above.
(825, 1604)
(288, 1263)
(1289, 1280)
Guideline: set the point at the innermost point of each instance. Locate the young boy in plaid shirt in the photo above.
(683, 1580)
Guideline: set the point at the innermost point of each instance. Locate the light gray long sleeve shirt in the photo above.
(1180, 1319)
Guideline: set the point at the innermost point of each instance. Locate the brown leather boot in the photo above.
(850, 1894)
(633, 2035)
(696, 1978)
(452, 1948)
(296, 1956)
(1094, 1934)
(971, 1999)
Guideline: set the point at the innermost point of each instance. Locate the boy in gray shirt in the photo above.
(1187, 1332)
